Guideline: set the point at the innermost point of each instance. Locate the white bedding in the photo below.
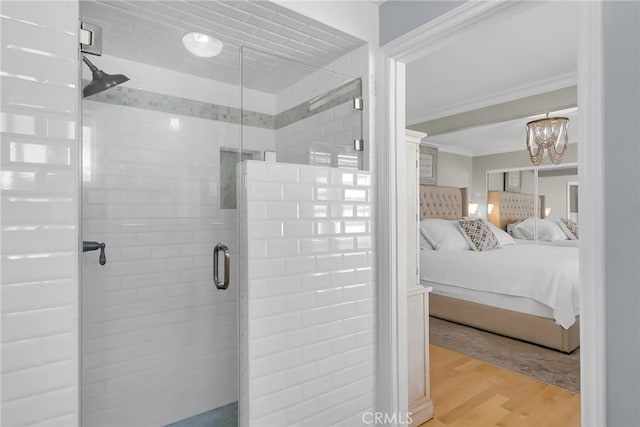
(569, 243)
(546, 274)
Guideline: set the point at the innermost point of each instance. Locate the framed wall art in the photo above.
(428, 165)
(513, 181)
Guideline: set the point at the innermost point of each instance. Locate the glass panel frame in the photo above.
(305, 114)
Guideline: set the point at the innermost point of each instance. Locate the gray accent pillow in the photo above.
(479, 235)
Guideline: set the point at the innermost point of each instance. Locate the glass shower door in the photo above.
(159, 339)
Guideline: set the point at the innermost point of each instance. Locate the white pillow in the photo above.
(513, 231)
(444, 235)
(424, 243)
(547, 230)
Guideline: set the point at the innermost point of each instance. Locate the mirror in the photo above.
(511, 197)
(555, 185)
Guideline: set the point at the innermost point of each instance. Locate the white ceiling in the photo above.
(532, 52)
(496, 138)
(151, 31)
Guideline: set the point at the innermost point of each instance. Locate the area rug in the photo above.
(543, 364)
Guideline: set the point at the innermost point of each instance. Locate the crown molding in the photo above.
(416, 137)
(447, 28)
(451, 150)
(524, 91)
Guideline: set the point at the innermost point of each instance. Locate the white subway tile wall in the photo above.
(39, 199)
(325, 138)
(307, 301)
(147, 310)
(354, 64)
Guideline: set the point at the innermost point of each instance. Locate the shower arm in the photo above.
(92, 67)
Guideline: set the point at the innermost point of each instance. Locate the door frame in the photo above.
(392, 240)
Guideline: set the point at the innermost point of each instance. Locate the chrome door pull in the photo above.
(216, 279)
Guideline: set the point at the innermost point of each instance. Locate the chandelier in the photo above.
(548, 135)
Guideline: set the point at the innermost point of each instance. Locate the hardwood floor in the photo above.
(469, 392)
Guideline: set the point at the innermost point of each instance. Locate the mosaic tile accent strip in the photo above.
(331, 99)
(138, 98)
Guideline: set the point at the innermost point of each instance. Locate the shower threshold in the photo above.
(223, 416)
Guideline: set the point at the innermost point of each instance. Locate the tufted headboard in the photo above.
(443, 202)
(510, 207)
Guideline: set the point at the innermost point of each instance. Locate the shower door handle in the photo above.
(216, 271)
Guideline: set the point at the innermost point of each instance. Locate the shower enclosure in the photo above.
(160, 328)
(159, 338)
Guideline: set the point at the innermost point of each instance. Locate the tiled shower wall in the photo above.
(307, 300)
(40, 196)
(159, 341)
(326, 137)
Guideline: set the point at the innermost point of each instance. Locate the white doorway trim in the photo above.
(392, 278)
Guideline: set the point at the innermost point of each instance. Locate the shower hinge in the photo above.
(90, 38)
(358, 144)
(358, 103)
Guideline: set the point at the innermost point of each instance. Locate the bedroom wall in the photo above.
(495, 181)
(454, 170)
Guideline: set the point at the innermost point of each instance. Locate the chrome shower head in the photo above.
(101, 80)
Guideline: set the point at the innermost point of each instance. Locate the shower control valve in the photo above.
(94, 246)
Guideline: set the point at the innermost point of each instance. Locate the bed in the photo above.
(528, 292)
(568, 243)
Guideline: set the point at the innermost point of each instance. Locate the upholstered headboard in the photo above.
(510, 207)
(443, 202)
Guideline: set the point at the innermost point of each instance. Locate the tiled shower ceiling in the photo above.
(151, 32)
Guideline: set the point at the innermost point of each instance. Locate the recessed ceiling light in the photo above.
(202, 45)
